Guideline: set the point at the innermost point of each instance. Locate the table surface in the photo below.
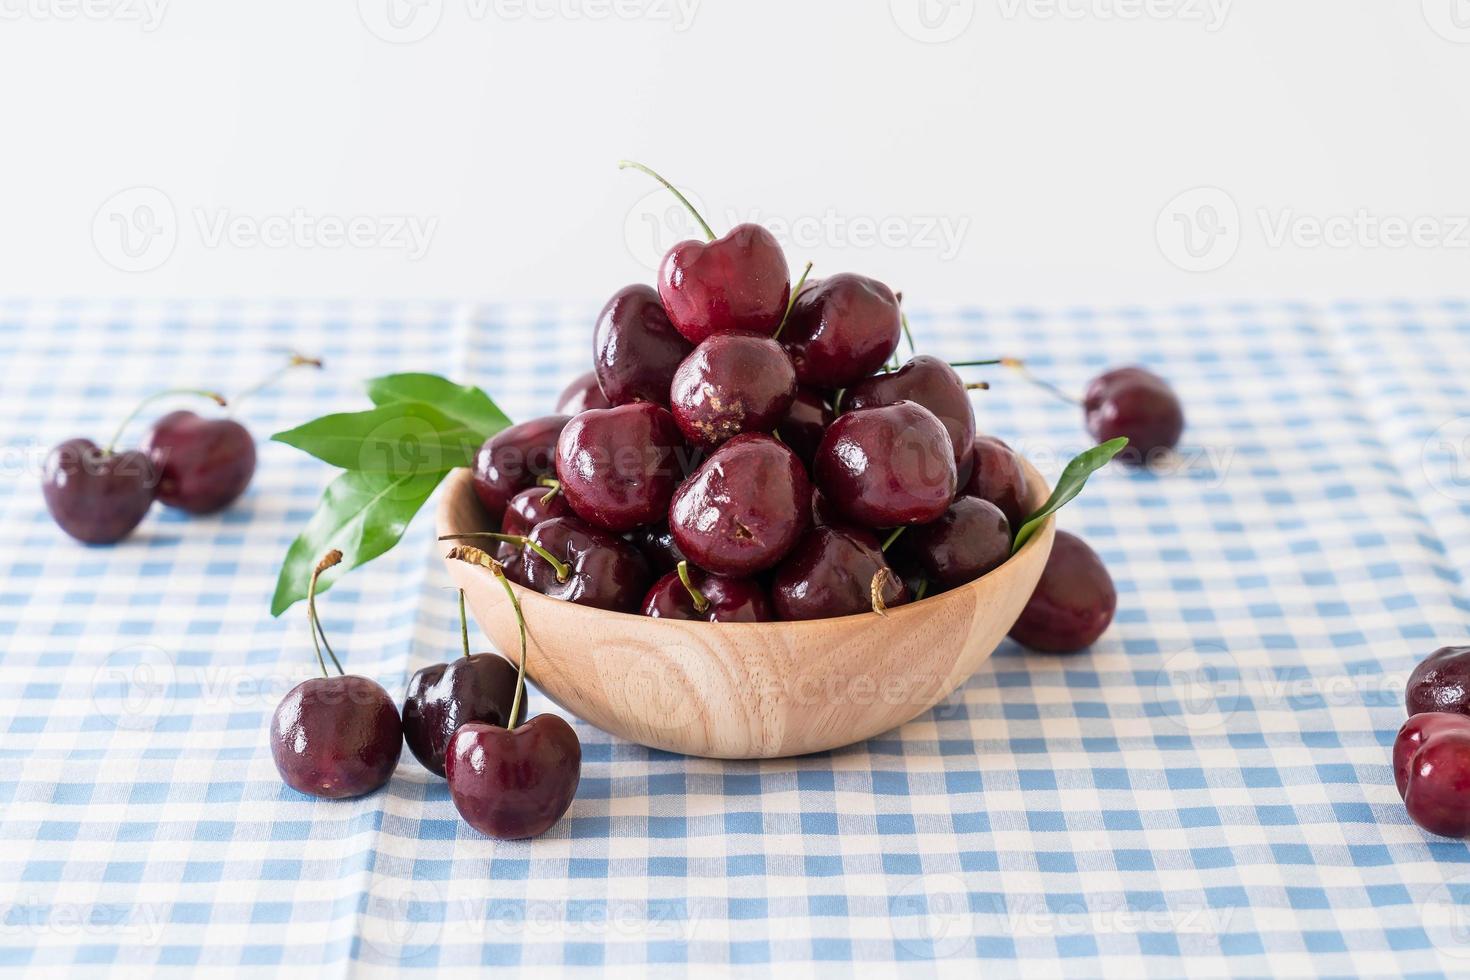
(1206, 790)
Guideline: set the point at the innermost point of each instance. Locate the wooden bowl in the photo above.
(749, 690)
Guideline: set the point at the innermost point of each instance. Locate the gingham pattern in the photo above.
(1207, 791)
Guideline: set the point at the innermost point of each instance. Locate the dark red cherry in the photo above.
(442, 697)
(841, 330)
(580, 394)
(885, 467)
(618, 466)
(805, 424)
(707, 598)
(736, 284)
(636, 349)
(821, 512)
(997, 476)
(527, 509)
(514, 459)
(97, 497)
(744, 509)
(1431, 762)
(603, 570)
(204, 465)
(930, 382)
(656, 542)
(511, 785)
(972, 538)
(1441, 683)
(729, 384)
(336, 737)
(1136, 403)
(831, 573)
(1073, 603)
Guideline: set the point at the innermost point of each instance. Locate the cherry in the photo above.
(514, 781)
(97, 495)
(204, 465)
(636, 349)
(566, 559)
(744, 509)
(479, 687)
(972, 538)
(532, 506)
(735, 284)
(1073, 602)
(1431, 767)
(656, 542)
(514, 459)
(805, 424)
(618, 466)
(888, 466)
(997, 476)
(835, 571)
(1441, 683)
(930, 382)
(841, 329)
(694, 594)
(580, 394)
(730, 384)
(334, 737)
(1136, 403)
(821, 512)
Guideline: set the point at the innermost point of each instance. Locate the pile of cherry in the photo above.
(1431, 755)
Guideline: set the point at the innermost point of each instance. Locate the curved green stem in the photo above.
(894, 536)
(475, 556)
(923, 590)
(213, 396)
(701, 604)
(903, 318)
(1020, 368)
(625, 164)
(563, 570)
(328, 560)
(791, 302)
(989, 363)
(297, 360)
(464, 627)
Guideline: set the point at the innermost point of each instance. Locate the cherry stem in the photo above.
(563, 570)
(880, 579)
(475, 556)
(977, 385)
(625, 164)
(330, 559)
(464, 627)
(893, 536)
(791, 302)
(837, 401)
(990, 363)
(701, 604)
(217, 398)
(547, 497)
(923, 589)
(297, 360)
(903, 318)
(1020, 368)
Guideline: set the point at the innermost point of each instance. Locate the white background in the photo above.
(1049, 141)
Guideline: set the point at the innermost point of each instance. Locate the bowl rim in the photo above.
(459, 483)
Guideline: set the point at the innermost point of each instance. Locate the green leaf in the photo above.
(363, 514)
(464, 403)
(399, 439)
(1070, 484)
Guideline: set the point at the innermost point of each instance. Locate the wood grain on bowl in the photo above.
(749, 690)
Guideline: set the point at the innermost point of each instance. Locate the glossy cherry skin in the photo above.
(442, 697)
(580, 394)
(511, 785)
(1073, 603)
(1441, 683)
(841, 330)
(525, 511)
(636, 350)
(997, 476)
(729, 384)
(657, 544)
(1136, 403)
(95, 496)
(972, 538)
(885, 467)
(736, 284)
(204, 465)
(514, 459)
(336, 737)
(805, 424)
(606, 571)
(831, 574)
(1431, 767)
(744, 509)
(618, 466)
(730, 600)
(930, 382)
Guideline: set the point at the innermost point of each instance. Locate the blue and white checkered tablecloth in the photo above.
(1205, 792)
